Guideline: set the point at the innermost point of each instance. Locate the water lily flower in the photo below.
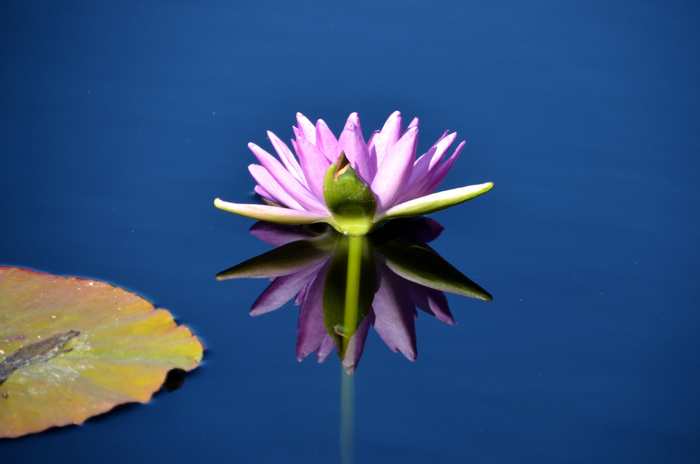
(353, 185)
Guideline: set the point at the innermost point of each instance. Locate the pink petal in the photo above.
(326, 141)
(265, 194)
(395, 171)
(424, 162)
(306, 128)
(314, 164)
(355, 148)
(388, 136)
(372, 140)
(423, 167)
(418, 175)
(287, 157)
(263, 177)
(439, 174)
(286, 181)
(441, 148)
(354, 118)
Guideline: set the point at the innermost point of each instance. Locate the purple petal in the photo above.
(427, 230)
(279, 234)
(310, 328)
(302, 294)
(356, 346)
(395, 316)
(439, 307)
(286, 181)
(395, 171)
(287, 157)
(355, 148)
(283, 289)
(433, 302)
(314, 164)
(419, 231)
(326, 141)
(272, 298)
(326, 348)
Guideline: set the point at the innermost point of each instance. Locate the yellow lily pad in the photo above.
(72, 348)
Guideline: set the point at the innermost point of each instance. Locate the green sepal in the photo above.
(287, 259)
(434, 202)
(272, 213)
(421, 264)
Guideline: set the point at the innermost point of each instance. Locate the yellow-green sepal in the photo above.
(434, 202)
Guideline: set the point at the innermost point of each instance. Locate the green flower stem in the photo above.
(347, 417)
(352, 284)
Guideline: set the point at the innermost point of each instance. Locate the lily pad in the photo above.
(72, 348)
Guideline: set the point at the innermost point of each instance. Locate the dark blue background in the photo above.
(120, 123)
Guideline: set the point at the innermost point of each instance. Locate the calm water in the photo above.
(121, 122)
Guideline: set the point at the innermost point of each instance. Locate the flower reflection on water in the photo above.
(345, 284)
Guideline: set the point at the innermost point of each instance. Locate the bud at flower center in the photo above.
(350, 201)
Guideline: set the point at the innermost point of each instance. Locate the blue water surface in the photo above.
(122, 121)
